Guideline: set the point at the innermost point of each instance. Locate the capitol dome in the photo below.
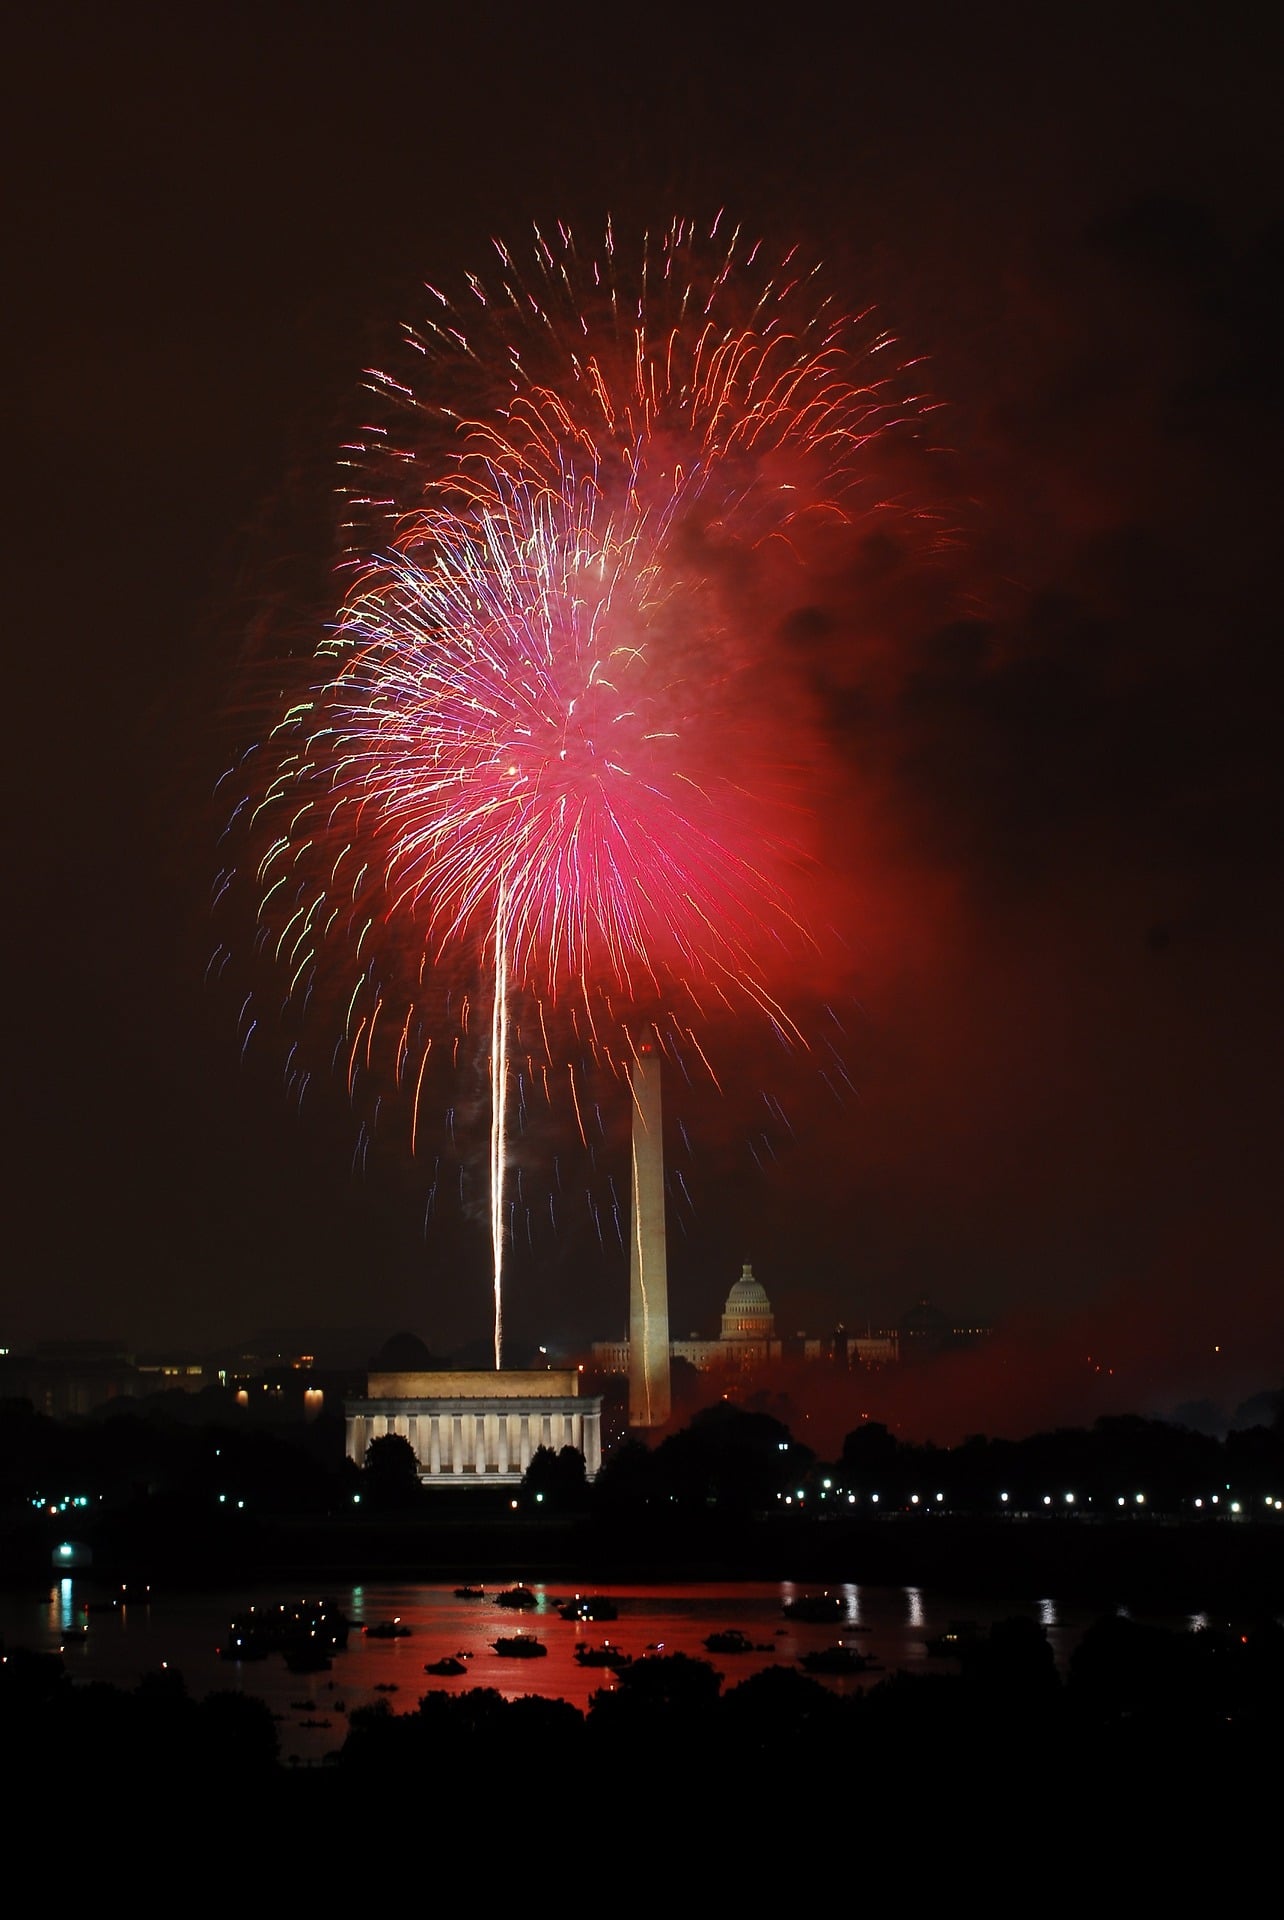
(747, 1314)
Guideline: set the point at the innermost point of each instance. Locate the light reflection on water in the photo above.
(123, 1637)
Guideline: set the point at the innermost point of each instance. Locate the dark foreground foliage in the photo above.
(1143, 1709)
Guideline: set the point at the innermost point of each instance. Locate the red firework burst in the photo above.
(550, 752)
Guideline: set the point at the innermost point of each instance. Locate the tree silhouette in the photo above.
(556, 1481)
(392, 1473)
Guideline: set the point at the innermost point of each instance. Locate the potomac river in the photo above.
(114, 1638)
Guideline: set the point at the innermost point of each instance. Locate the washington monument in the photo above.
(648, 1267)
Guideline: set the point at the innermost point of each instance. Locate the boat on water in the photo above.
(589, 1606)
(304, 1631)
(519, 1646)
(450, 1664)
(838, 1659)
(521, 1597)
(603, 1656)
(958, 1636)
(386, 1630)
(823, 1608)
(729, 1640)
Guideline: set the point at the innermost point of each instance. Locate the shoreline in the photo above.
(1226, 1567)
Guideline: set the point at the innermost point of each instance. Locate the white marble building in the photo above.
(471, 1428)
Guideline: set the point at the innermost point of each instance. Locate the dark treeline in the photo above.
(1132, 1692)
(737, 1458)
(746, 1458)
(185, 1488)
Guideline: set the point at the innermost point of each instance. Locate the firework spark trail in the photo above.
(538, 731)
(499, 1114)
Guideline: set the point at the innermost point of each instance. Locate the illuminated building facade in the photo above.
(474, 1429)
(748, 1339)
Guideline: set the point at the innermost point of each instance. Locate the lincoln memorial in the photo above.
(467, 1428)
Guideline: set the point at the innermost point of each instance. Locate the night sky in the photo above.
(1052, 929)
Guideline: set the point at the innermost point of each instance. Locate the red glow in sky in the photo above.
(1042, 886)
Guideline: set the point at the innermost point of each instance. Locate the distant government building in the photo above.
(748, 1340)
(472, 1428)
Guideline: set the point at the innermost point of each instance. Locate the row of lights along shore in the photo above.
(1272, 1503)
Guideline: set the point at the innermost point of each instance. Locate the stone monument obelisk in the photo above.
(648, 1266)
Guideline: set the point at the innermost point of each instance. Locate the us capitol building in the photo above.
(748, 1339)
